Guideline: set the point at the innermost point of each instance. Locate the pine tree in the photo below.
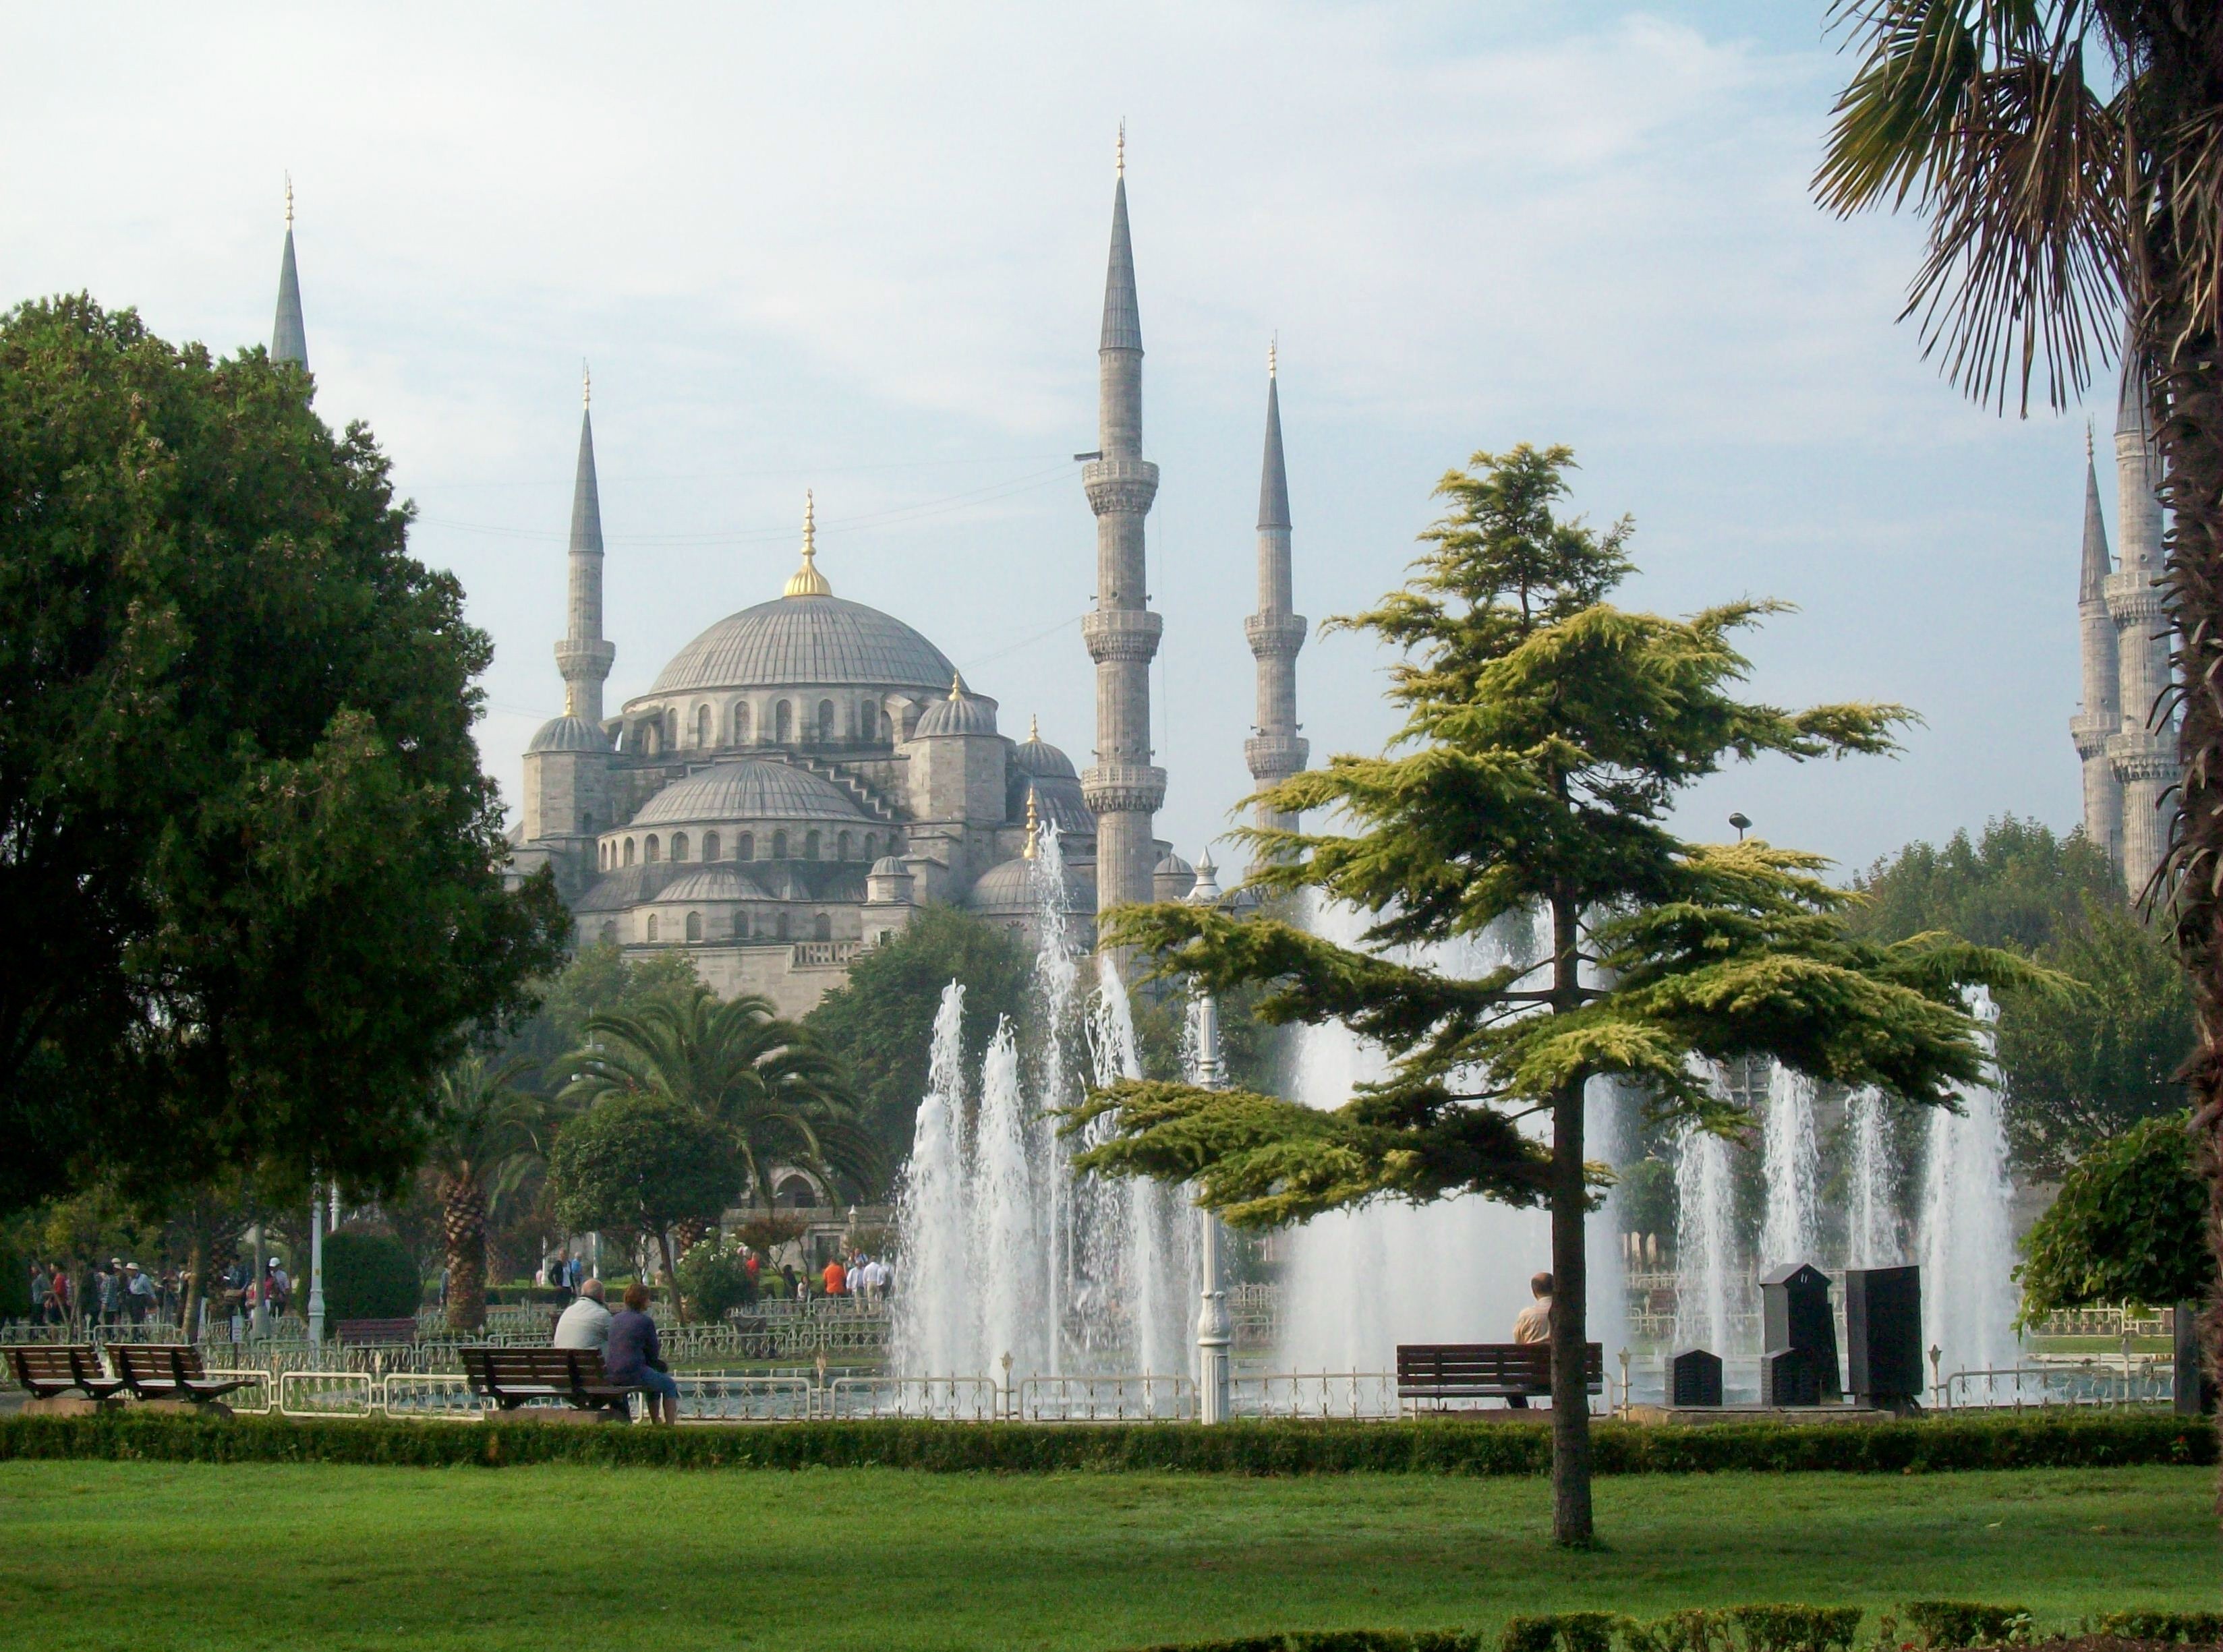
(1546, 734)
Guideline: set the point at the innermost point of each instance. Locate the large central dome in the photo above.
(808, 641)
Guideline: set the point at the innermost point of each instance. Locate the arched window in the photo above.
(694, 926)
(782, 926)
(628, 852)
(821, 928)
(678, 845)
(872, 847)
(811, 844)
(650, 737)
(741, 925)
(779, 845)
(740, 722)
(783, 723)
(649, 850)
(671, 729)
(651, 926)
(745, 846)
(610, 932)
(703, 729)
(826, 725)
(709, 845)
(868, 721)
(841, 847)
(603, 859)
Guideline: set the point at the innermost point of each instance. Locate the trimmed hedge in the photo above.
(2158, 1624)
(2028, 1440)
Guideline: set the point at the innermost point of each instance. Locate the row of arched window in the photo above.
(812, 845)
(785, 724)
(763, 927)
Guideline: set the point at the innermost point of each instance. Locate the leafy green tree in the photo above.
(1546, 734)
(2065, 154)
(2076, 1066)
(639, 1166)
(252, 872)
(882, 1019)
(486, 1130)
(369, 1276)
(763, 1083)
(2127, 1227)
(598, 979)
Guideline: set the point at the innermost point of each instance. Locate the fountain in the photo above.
(1872, 1221)
(1968, 1240)
(1705, 1245)
(1791, 1161)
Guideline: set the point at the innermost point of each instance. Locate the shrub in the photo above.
(2127, 1226)
(1692, 1630)
(15, 1285)
(1798, 1629)
(714, 1278)
(1566, 1631)
(2153, 1623)
(1967, 1622)
(369, 1276)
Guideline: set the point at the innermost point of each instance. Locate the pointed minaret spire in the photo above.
(807, 580)
(2144, 753)
(289, 340)
(1122, 787)
(2102, 719)
(1275, 750)
(584, 656)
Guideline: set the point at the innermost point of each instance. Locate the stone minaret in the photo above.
(1121, 786)
(2144, 758)
(583, 656)
(2101, 720)
(1275, 750)
(289, 340)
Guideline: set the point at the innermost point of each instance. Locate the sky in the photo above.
(860, 249)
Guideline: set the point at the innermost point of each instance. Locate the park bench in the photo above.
(169, 1371)
(1442, 1371)
(50, 1370)
(509, 1376)
(376, 1333)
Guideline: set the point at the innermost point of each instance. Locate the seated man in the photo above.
(635, 1356)
(585, 1322)
(1534, 1324)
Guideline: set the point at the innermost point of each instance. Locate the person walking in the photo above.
(836, 1277)
(109, 1284)
(138, 1294)
(634, 1355)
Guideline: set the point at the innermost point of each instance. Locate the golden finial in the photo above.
(1274, 356)
(289, 203)
(1034, 824)
(1119, 154)
(807, 580)
(1034, 729)
(586, 384)
(957, 685)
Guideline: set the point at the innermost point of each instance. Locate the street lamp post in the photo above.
(1212, 1331)
(316, 1268)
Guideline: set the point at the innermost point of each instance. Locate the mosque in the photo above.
(2128, 752)
(808, 773)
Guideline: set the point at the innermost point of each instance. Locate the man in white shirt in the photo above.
(585, 1322)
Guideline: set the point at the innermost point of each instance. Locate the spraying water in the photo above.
(1705, 1242)
(933, 1214)
(1792, 1163)
(1872, 1223)
(1968, 1245)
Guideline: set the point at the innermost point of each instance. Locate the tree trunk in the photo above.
(463, 1230)
(671, 1272)
(197, 1251)
(1571, 1401)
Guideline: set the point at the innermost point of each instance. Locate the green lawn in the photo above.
(112, 1555)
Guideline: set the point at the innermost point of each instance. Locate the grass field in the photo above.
(130, 1555)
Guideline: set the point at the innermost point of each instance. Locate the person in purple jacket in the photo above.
(634, 1357)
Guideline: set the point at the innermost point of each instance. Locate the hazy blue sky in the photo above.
(861, 248)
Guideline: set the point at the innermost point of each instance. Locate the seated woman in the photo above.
(634, 1357)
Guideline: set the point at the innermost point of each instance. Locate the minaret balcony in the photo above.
(2134, 598)
(1118, 485)
(2145, 755)
(1121, 634)
(1273, 756)
(1123, 789)
(1275, 636)
(2091, 731)
(580, 657)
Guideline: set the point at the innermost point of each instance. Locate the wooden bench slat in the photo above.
(169, 1371)
(1486, 1370)
(509, 1376)
(48, 1370)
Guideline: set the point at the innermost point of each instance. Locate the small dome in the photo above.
(806, 641)
(1173, 866)
(755, 789)
(889, 866)
(1008, 890)
(713, 882)
(960, 712)
(1037, 757)
(568, 734)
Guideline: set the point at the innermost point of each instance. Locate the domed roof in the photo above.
(568, 734)
(1008, 888)
(808, 641)
(754, 788)
(1175, 866)
(958, 712)
(714, 882)
(1038, 756)
(889, 866)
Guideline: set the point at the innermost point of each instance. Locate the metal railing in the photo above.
(1351, 1395)
(2058, 1382)
(328, 1393)
(950, 1399)
(720, 1398)
(1104, 1399)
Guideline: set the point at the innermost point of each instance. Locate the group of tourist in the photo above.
(116, 1293)
(864, 1278)
(560, 1272)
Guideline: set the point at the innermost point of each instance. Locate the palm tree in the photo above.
(486, 1131)
(780, 1097)
(2053, 203)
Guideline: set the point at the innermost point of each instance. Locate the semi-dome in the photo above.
(753, 789)
(808, 641)
(568, 734)
(713, 882)
(958, 712)
(1037, 757)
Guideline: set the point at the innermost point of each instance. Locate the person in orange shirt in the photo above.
(837, 1277)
